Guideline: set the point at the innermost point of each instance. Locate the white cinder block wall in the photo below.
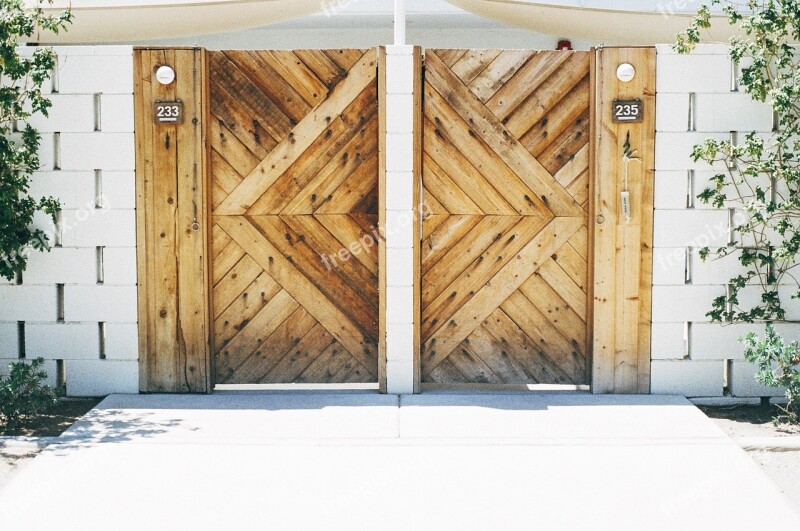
(697, 98)
(399, 219)
(77, 303)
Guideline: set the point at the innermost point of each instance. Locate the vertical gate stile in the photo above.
(171, 237)
(623, 240)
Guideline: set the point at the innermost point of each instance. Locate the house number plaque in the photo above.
(168, 112)
(627, 111)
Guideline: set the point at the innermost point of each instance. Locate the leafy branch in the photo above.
(21, 79)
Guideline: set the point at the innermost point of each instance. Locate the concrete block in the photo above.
(44, 222)
(399, 267)
(671, 190)
(399, 377)
(49, 367)
(672, 112)
(122, 341)
(732, 111)
(669, 266)
(693, 73)
(9, 340)
(399, 113)
(101, 50)
(690, 228)
(400, 342)
(687, 378)
(668, 341)
(116, 113)
(717, 341)
(100, 303)
(702, 180)
(790, 304)
(715, 271)
(69, 113)
(73, 190)
(400, 229)
(90, 151)
(119, 190)
(47, 152)
(676, 304)
(399, 73)
(119, 266)
(400, 191)
(399, 49)
(61, 265)
(399, 152)
(93, 227)
(91, 74)
(399, 305)
(101, 377)
(701, 49)
(743, 382)
(28, 303)
(674, 150)
(62, 341)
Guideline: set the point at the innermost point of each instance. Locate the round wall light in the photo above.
(165, 75)
(625, 72)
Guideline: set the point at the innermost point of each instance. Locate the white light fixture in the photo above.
(625, 72)
(165, 75)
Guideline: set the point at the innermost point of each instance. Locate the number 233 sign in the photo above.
(168, 112)
(628, 111)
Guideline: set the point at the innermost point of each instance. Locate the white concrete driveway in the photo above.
(366, 461)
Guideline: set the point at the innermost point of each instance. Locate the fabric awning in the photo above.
(139, 20)
(650, 22)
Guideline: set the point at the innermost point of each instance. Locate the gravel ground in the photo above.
(784, 469)
(754, 421)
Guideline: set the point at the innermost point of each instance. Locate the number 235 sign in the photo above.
(168, 112)
(630, 111)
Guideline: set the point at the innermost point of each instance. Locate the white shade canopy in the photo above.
(140, 20)
(618, 22)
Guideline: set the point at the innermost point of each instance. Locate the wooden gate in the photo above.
(294, 197)
(505, 248)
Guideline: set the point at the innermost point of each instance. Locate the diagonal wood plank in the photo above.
(505, 282)
(292, 146)
(300, 288)
(504, 144)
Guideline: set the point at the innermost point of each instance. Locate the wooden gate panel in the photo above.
(505, 187)
(294, 161)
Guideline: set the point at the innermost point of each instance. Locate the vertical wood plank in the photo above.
(622, 248)
(418, 213)
(141, 79)
(171, 194)
(382, 219)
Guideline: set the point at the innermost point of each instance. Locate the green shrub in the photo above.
(22, 393)
(777, 366)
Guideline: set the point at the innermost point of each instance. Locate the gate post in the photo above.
(622, 217)
(170, 106)
(400, 194)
